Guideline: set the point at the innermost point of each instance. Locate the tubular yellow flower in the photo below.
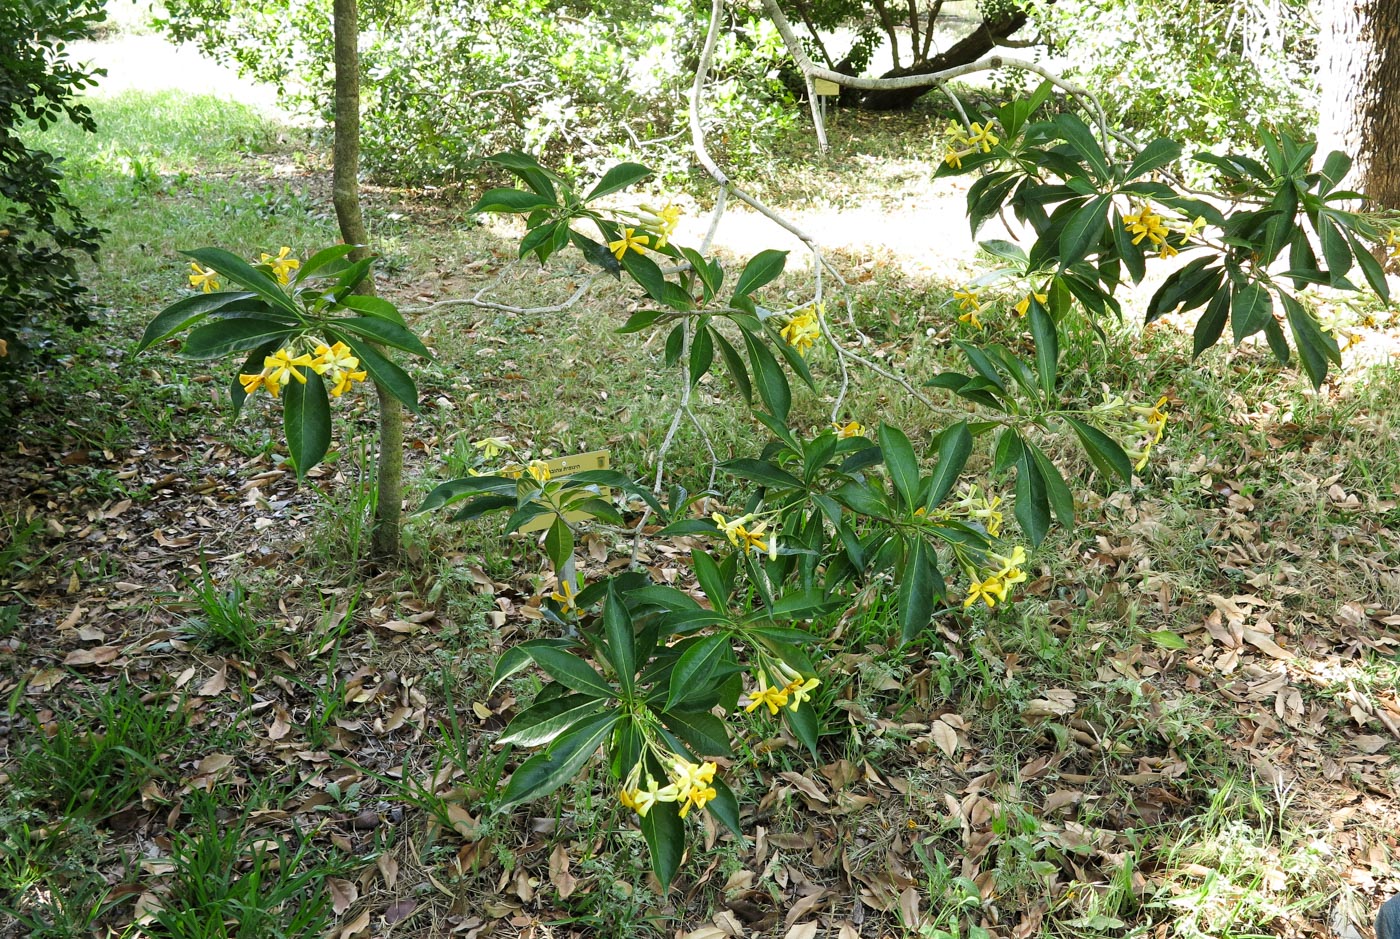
(643, 799)
(988, 591)
(539, 471)
(206, 280)
(336, 363)
(1024, 306)
(753, 538)
(1392, 243)
(775, 698)
(252, 383)
(344, 381)
(848, 430)
(802, 330)
(630, 239)
(282, 265)
(797, 687)
(281, 367)
(971, 318)
(983, 137)
(731, 528)
(1154, 417)
(1197, 226)
(491, 447)
(667, 219)
(1144, 223)
(968, 299)
(565, 596)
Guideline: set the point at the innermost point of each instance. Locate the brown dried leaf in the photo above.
(98, 656)
(945, 737)
(400, 911)
(559, 874)
(388, 869)
(343, 894)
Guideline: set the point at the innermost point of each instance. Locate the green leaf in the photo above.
(1078, 135)
(182, 314)
(1157, 154)
(920, 588)
(617, 178)
(1004, 250)
(954, 447)
(1211, 324)
(218, 339)
(1334, 247)
(696, 668)
(457, 489)
(1334, 170)
(387, 375)
(900, 460)
(665, 835)
(1104, 452)
(376, 307)
(762, 269)
(597, 254)
(647, 274)
(622, 640)
(544, 772)
(306, 417)
(1167, 639)
(543, 721)
(571, 671)
(702, 353)
(804, 726)
(244, 274)
(1374, 274)
(712, 580)
(517, 658)
(1084, 230)
(735, 364)
(1315, 347)
(515, 201)
(1047, 348)
(773, 385)
(1250, 309)
(701, 729)
(384, 332)
(761, 472)
(725, 807)
(1061, 499)
(323, 262)
(559, 544)
(1032, 500)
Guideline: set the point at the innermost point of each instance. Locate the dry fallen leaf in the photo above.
(343, 894)
(945, 736)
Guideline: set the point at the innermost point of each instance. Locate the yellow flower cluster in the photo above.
(987, 508)
(962, 143)
(1392, 244)
(282, 265)
(662, 221)
(491, 447)
(803, 329)
(994, 586)
(629, 240)
(794, 690)
(205, 279)
(690, 784)
(539, 471)
(334, 362)
(969, 301)
(741, 536)
(1151, 424)
(1144, 222)
(848, 430)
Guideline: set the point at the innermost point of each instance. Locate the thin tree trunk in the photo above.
(345, 187)
(968, 49)
(1359, 58)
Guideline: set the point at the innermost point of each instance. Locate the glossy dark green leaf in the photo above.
(761, 472)
(665, 836)
(954, 447)
(695, 669)
(596, 253)
(559, 543)
(773, 385)
(618, 178)
(1250, 309)
(512, 201)
(384, 332)
(1032, 499)
(901, 462)
(545, 720)
(1047, 348)
(386, 374)
(306, 418)
(571, 671)
(1157, 154)
(919, 588)
(1078, 135)
(1104, 452)
(1334, 247)
(1084, 231)
(182, 314)
(1061, 499)
(1315, 347)
(622, 639)
(700, 729)
(711, 579)
(702, 353)
(804, 726)
(245, 275)
(725, 807)
(544, 772)
(1211, 325)
(225, 336)
(737, 370)
(762, 269)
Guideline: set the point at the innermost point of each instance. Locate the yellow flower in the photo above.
(565, 596)
(691, 779)
(986, 509)
(775, 698)
(968, 299)
(339, 365)
(539, 471)
(988, 591)
(282, 265)
(731, 528)
(1165, 250)
(802, 330)
(4, 348)
(971, 318)
(954, 157)
(846, 431)
(643, 799)
(797, 687)
(491, 447)
(206, 280)
(753, 538)
(1024, 306)
(1392, 241)
(281, 367)
(629, 239)
(1144, 223)
(1154, 418)
(1010, 562)
(252, 383)
(954, 132)
(983, 137)
(1193, 229)
(665, 219)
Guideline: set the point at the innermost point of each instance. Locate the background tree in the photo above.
(40, 229)
(1359, 62)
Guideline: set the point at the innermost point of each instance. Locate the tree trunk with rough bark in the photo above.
(1359, 59)
(968, 49)
(345, 187)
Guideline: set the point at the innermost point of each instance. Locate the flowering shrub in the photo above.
(308, 336)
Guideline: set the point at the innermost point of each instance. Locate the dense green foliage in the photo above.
(40, 229)
(451, 82)
(1194, 70)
